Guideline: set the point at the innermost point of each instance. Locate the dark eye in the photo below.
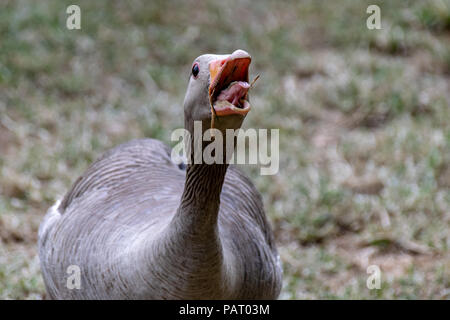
(195, 70)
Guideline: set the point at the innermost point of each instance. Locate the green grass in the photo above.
(363, 115)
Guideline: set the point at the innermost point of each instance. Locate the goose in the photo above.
(137, 225)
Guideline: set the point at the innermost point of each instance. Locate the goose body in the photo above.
(138, 226)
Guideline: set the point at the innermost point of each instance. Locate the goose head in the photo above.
(218, 87)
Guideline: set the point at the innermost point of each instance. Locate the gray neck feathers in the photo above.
(191, 246)
(203, 185)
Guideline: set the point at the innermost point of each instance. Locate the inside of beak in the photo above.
(229, 84)
(225, 71)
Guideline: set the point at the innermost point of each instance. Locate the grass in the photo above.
(363, 115)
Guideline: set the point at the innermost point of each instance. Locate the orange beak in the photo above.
(225, 71)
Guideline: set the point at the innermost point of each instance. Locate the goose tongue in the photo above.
(236, 91)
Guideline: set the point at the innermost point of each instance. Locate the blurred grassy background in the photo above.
(363, 115)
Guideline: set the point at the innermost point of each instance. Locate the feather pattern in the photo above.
(139, 226)
(119, 224)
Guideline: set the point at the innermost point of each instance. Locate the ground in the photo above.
(363, 115)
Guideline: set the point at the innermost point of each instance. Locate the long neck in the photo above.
(200, 201)
(191, 247)
(199, 205)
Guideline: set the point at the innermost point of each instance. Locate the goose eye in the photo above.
(195, 70)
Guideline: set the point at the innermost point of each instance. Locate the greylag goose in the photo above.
(138, 226)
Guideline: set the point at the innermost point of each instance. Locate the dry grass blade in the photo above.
(253, 82)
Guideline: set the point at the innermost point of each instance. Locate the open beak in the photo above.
(228, 91)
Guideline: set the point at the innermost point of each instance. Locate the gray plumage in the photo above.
(141, 227)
